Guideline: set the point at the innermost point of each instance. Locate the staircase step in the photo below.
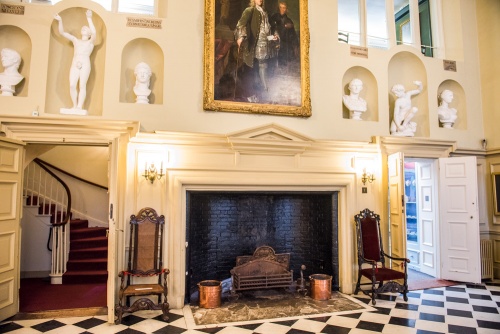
(89, 243)
(88, 253)
(32, 200)
(85, 233)
(87, 264)
(76, 224)
(83, 277)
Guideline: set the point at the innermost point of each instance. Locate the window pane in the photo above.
(425, 27)
(137, 6)
(105, 3)
(376, 24)
(402, 19)
(348, 11)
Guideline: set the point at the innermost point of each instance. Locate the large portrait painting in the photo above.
(256, 57)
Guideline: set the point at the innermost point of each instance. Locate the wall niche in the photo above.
(149, 52)
(61, 52)
(458, 102)
(404, 69)
(369, 92)
(17, 39)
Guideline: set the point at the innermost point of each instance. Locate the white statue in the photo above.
(353, 102)
(447, 116)
(401, 124)
(10, 76)
(143, 74)
(80, 66)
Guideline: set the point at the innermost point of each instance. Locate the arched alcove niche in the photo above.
(136, 51)
(369, 92)
(458, 102)
(17, 39)
(61, 52)
(404, 69)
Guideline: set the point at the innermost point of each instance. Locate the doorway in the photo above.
(422, 223)
(84, 170)
(442, 238)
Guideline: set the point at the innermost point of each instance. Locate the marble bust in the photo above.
(447, 116)
(353, 101)
(143, 74)
(401, 124)
(10, 77)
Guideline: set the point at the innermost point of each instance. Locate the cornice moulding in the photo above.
(418, 147)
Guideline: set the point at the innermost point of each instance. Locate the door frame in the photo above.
(116, 134)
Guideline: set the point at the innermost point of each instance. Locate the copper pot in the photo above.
(321, 286)
(210, 293)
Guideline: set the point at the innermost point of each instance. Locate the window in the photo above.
(402, 16)
(376, 24)
(146, 7)
(373, 30)
(348, 15)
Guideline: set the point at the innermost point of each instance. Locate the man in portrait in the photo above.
(247, 44)
(284, 27)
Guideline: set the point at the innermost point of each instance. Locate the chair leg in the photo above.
(119, 314)
(374, 291)
(358, 285)
(164, 309)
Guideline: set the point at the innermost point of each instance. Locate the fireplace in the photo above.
(221, 225)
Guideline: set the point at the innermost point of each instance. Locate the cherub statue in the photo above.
(447, 116)
(353, 101)
(143, 74)
(401, 124)
(80, 66)
(11, 60)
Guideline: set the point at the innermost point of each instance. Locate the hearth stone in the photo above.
(270, 304)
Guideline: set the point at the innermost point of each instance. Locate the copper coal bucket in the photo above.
(210, 292)
(321, 286)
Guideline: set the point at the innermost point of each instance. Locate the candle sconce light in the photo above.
(151, 173)
(367, 177)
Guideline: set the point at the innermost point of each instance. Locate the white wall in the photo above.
(181, 41)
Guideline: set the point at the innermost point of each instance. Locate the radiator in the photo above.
(486, 259)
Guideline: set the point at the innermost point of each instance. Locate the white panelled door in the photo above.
(427, 215)
(459, 220)
(11, 176)
(397, 214)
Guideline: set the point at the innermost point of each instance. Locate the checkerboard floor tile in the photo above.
(467, 308)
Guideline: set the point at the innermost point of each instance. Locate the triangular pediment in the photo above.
(271, 139)
(270, 132)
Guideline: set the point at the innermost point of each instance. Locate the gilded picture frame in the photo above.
(496, 193)
(276, 85)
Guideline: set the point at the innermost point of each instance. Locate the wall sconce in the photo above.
(367, 177)
(151, 173)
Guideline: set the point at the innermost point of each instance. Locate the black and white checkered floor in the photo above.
(459, 309)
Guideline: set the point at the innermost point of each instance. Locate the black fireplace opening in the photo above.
(221, 225)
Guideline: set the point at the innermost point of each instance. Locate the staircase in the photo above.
(88, 255)
(79, 252)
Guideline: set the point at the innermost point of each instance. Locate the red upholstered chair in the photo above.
(145, 260)
(371, 259)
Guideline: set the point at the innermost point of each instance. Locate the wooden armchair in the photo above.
(371, 252)
(145, 260)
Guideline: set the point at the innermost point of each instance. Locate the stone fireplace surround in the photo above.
(265, 159)
(223, 225)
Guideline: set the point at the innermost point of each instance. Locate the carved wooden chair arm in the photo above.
(397, 258)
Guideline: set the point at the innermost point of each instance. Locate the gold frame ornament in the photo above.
(283, 101)
(495, 177)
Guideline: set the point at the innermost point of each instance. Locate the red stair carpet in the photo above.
(88, 255)
(37, 294)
